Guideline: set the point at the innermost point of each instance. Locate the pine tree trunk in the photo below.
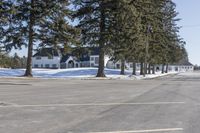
(141, 68)
(149, 69)
(167, 66)
(122, 67)
(28, 72)
(144, 68)
(101, 64)
(101, 43)
(134, 69)
(153, 71)
(163, 68)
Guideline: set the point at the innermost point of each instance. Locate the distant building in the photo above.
(57, 58)
(117, 65)
(46, 58)
(54, 58)
(182, 66)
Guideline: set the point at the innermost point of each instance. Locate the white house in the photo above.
(183, 66)
(178, 67)
(94, 58)
(69, 61)
(46, 58)
(52, 58)
(117, 65)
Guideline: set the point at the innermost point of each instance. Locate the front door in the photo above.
(70, 64)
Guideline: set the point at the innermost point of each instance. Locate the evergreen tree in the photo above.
(125, 31)
(120, 28)
(165, 36)
(94, 21)
(169, 34)
(5, 16)
(38, 21)
(16, 61)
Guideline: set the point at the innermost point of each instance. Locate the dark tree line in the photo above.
(7, 61)
(138, 31)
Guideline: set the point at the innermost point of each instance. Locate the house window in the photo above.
(54, 66)
(118, 66)
(50, 57)
(41, 65)
(63, 65)
(38, 58)
(36, 65)
(46, 65)
(96, 61)
(92, 64)
(92, 58)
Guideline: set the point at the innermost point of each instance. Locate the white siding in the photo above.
(117, 65)
(46, 61)
(178, 68)
(75, 63)
(94, 60)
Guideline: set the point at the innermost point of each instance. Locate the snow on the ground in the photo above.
(87, 73)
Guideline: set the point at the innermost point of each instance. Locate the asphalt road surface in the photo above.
(168, 104)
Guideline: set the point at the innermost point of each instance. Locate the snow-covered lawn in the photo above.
(87, 73)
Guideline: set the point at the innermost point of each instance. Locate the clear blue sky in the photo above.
(189, 13)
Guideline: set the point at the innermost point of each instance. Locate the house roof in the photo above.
(47, 52)
(84, 53)
(66, 57)
(85, 57)
(184, 63)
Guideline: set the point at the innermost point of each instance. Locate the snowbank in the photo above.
(83, 73)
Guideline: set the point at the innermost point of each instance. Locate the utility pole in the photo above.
(149, 30)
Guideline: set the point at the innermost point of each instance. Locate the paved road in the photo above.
(165, 105)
